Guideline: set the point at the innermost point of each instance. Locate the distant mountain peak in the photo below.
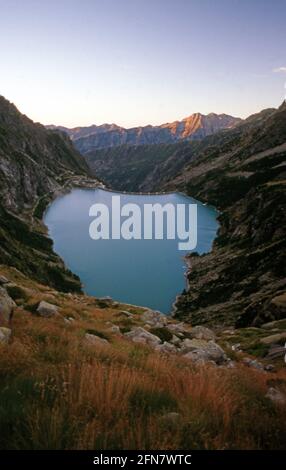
(282, 107)
(193, 127)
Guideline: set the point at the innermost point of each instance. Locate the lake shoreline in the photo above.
(202, 248)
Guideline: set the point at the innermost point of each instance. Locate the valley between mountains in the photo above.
(241, 170)
(80, 372)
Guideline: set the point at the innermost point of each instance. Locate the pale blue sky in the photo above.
(78, 62)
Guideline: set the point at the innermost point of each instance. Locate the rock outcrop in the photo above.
(140, 335)
(95, 340)
(45, 309)
(204, 351)
(242, 281)
(6, 307)
(5, 334)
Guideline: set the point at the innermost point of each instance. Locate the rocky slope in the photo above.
(144, 167)
(241, 281)
(35, 165)
(129, 168)
(196, 126)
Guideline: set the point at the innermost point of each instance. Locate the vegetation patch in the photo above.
(152, 401)
(163, 333)
(257, 349)
(100, 334)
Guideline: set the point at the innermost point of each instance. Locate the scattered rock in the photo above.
(274, 339)
(45, 309)
(96, 340)
(204, 351)
(201, 332)
(191, 344)
(276, 351)
(276, 395)
(6, 307)
(126, 314)
(175, 340)
(140, 335)
(5, 334)
(17, 292)
(177, 328)
(278, 303)
(114, 329)
(277, 324)
(3, 280)
(253, 363)
(269, 368)
(154, 318)
(228, 332)
(166, 348)
(68, 320)
(104, 302)
(171, 420)
(230, 364)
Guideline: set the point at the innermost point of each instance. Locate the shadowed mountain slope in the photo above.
(35, 164)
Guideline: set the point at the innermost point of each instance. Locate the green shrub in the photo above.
(163, 333)
(100, 334)
(125, 329)
(152, 401)
(258, 349)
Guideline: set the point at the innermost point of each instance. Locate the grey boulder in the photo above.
(5, 334)
(96, 340)
(166, 348)
(45, 309)
(3, 280)
(204, 351)
(6, 307)
(140, 335)
(201, 332)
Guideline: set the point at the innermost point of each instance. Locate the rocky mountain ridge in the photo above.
(196, 126)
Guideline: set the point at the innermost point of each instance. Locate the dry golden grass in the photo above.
(100, 398)
(59, 392)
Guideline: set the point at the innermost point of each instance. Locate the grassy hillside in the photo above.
(59, 391)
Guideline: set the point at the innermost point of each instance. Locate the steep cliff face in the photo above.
(237, 282)
(35, 164)
(196, 126)
(33, 161)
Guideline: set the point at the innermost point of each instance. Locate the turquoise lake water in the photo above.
(140, 272)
